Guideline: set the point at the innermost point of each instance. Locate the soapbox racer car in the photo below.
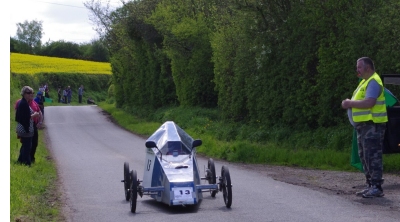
(171, 172)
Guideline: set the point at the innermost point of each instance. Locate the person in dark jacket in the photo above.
(59, 93)
(24, 116)
(39, 99)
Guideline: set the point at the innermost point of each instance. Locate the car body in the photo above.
(392, 134)
(171, 171)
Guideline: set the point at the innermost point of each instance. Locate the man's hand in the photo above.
(346, 104)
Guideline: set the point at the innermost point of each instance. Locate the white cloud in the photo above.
(66, 20)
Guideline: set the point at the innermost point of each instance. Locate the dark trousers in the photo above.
(80, 98)
(35, 139)
(59, 98)
(65, 99)
(370, 139)
(25, 151)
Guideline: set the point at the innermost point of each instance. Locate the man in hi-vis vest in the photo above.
(367, 113)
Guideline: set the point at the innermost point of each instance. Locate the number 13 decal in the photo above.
(148, 164)
(186, 191)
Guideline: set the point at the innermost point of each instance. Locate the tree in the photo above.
(62, 49)
(30, 34)
(13, 44)
(97, 52)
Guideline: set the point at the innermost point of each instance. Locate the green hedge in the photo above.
(269, 63)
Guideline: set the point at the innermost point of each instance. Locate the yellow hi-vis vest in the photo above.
(378, 112)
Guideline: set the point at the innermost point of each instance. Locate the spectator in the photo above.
(59, 92)
(39, 99)
(367, 113)
(37, 123)
(80, 93)
(69, 94)
(65, 95)
(46, 91)
(24, 115)
(41, 88)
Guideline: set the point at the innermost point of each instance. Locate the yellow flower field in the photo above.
(32, 64)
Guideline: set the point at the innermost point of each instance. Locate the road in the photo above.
(90, 151)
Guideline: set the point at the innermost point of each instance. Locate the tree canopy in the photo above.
(30, 33)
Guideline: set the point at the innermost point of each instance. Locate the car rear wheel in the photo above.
(126, 180)
(133, 191)
(226, 186)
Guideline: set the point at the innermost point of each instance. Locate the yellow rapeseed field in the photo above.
(32, 64)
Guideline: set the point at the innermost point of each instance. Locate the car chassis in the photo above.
(171, 173)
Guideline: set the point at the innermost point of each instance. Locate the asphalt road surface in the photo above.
(90, 151)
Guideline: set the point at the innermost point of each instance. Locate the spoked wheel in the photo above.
(211, 176)
(226, 186)
(133, 191)
(126, 180)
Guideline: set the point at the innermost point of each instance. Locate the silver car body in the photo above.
(171, 172)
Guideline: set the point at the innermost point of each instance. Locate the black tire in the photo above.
(127, 182)
(133, 191)
(211, 175)
(226, 186)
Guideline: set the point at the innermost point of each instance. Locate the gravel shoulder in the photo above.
(343, 184)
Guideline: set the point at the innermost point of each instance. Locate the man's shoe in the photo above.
(373, 192)
(362, 192)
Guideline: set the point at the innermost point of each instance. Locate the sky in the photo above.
(66, 20)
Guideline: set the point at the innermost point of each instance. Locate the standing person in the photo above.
(65, 94)
(24, 116)
(46, 91)
(80, 93)
(59, 94)
(39, 99)
(37, 123)
(41, 88)
(69, 94)
(367, 113)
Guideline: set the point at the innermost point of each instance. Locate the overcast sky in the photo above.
(62, 19)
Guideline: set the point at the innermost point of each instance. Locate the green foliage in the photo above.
(93, 51)
(29, 34)
(111, 91)
(325, 148)
(287, 63)
(62, 49)
(95, 85)
(387, 25)
(141, 71)
(13, 45)
(97, 52)
(186, 43)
